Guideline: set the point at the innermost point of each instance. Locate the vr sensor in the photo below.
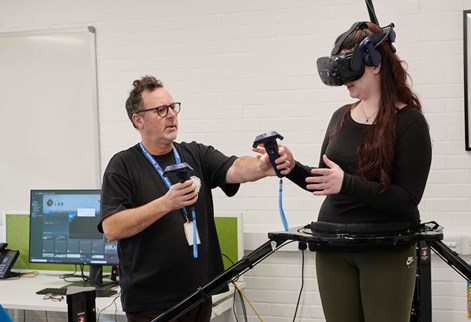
(340, 68)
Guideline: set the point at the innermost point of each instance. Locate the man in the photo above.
(150, 214)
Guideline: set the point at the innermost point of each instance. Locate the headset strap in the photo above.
(357, 25)
(344, 36)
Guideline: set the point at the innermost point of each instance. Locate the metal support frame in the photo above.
(422, 305)
(422, 301)
(427, 240)
(219, 282)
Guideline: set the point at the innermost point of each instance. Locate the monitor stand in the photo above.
(95, 279)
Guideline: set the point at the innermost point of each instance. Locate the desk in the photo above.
(20, 294)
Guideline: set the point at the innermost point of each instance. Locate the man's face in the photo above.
(152, 126)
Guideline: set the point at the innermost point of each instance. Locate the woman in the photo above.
(375, 160)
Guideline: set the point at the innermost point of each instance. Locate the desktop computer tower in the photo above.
(81, 306)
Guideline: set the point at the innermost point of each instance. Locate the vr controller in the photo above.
(181, 170)
(268, 140)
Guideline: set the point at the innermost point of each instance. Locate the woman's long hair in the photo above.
(376, 155)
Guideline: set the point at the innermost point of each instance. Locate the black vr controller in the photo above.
(268, 140)
(181, 170)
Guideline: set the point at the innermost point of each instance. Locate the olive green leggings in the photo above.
(367, 287)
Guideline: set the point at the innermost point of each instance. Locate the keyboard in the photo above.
(63, 291)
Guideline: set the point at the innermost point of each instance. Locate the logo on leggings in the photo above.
(409, 261)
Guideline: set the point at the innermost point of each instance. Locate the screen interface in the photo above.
(63, 228)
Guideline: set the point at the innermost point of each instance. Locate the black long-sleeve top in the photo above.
(359, 201)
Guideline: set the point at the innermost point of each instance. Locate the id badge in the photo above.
(189, 233)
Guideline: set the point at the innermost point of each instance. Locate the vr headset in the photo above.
(340, 68)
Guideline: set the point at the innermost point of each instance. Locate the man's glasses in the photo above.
(163, 109)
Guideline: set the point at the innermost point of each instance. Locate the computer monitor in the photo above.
(63, 230)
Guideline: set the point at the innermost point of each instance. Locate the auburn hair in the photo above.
(377, 153)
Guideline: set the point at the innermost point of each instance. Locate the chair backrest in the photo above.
(4, 315)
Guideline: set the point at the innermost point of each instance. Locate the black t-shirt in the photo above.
(360, 201)
(157, 268)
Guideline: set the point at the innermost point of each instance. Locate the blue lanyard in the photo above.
(167, 182)
(159, 169)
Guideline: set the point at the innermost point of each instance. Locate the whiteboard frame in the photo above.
(467, 76)
(93, 179)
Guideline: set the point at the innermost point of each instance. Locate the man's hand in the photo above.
(181, 195)
(285, 163)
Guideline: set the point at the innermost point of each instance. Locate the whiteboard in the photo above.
(49, 135)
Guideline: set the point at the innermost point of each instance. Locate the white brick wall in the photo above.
(245, 67)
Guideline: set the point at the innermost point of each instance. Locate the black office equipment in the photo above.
(109, 292)
(63, 230)
(7, 260)
(81, 306)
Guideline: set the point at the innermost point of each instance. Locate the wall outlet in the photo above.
(465, 245)
(454, 243)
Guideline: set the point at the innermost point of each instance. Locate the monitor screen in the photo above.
(63, 229)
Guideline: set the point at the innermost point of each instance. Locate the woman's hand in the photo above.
(326, 181)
